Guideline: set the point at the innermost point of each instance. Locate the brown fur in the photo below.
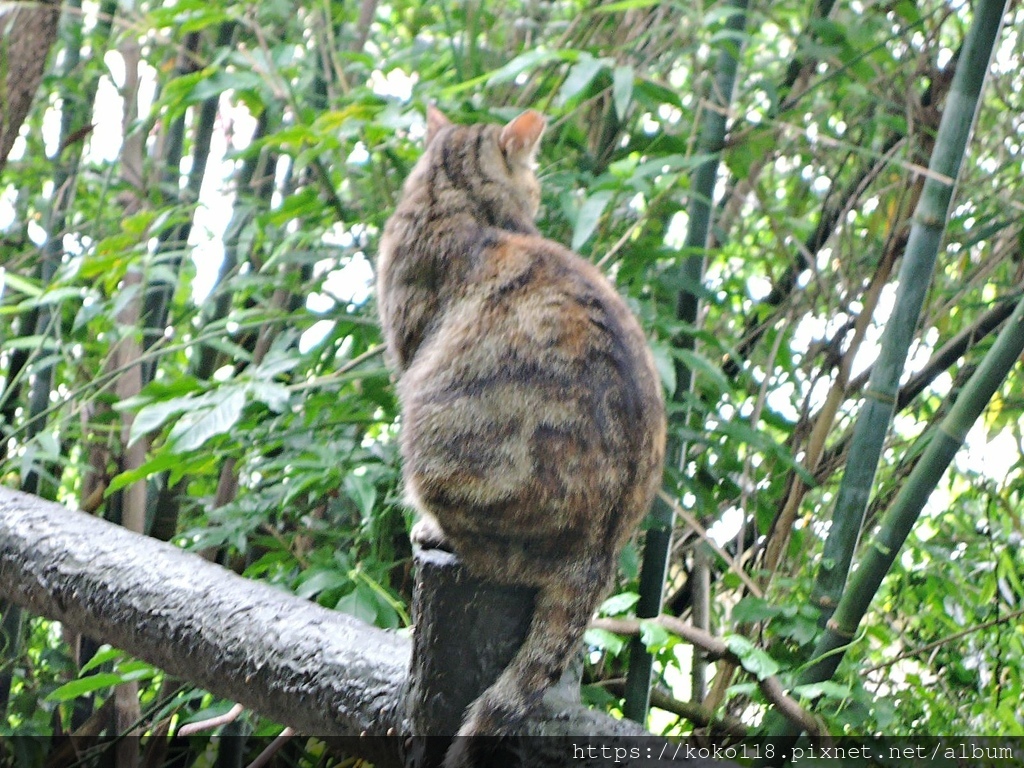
(533, 424)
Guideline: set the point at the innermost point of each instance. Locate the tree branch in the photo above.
(716, 649)
(324, 673)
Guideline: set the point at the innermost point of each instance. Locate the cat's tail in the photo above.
(563, 608)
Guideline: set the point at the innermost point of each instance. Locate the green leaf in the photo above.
(196, 427)
(522, 63)
(34, 342)
(275, 396)
(828, 689)
(277, 361)
(18, 283)
(753, 659)
(605, 640)
(720, 14)
(102, 656)
(163, 461)
(708, 370)
(830, 32)
(654, 94)
(662, 353)
(580, 76)
(304, 202)
(908, 11)
(655, 637)
(625, 5)
(136, 672)
(200, 19)
(616, 605)
(130, 671)
(360, 605)
(85, 685)
(752, 609)
(622, 89)
(153, 416)
(361, 490)
(320, 581)
(589, 216)
(59, 295)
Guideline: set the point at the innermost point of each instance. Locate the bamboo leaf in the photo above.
(663, 355)
(581, 74)
(622, 89)
(625, 5)
(589, 217)
(84, 685)
(523, 63)
(21, 284)
(102, 656)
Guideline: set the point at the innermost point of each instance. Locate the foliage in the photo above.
(187, 228)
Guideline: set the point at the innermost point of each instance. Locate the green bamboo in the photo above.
(914, 278)
(941, 445)
(172, 240)
(244, 210)
(661, 520)
(75, 112)
(248, 203)
(895, 525)
(883, 386)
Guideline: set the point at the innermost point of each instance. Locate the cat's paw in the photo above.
(427, 534)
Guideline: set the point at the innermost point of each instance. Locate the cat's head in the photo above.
(492, 166)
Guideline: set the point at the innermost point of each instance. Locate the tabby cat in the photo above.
(533, 422)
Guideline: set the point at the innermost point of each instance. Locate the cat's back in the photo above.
(527, 298)
(535, 394)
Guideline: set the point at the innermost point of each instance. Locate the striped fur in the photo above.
(533, 424)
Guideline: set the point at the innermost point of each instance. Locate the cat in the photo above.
(533, 420)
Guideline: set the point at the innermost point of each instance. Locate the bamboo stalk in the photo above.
(661, 520)
(942, 443)
(915, 276)
(883, 387)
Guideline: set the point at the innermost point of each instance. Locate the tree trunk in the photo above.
(27, 30)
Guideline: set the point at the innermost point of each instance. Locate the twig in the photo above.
(698, 714)
(716, 649)
(212, 722)
(691, 521)
(272, 749)
(942, 641)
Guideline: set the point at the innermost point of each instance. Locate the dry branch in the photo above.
(717, 650)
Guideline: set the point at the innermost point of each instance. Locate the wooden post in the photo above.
(466, 632)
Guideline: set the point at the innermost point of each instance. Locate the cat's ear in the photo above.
(522, 136)
(435, 122)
